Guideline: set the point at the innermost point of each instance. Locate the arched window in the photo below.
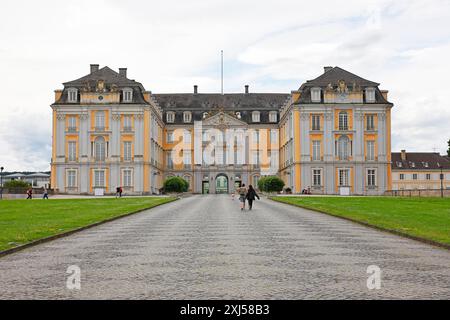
(343, 120)
(343, 148)
(100, 149)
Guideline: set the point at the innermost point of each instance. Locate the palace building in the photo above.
(332, 135)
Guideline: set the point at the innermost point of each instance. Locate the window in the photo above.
(187, 158)
(370, 152)
(273, 136)
(100, 120)
(343, 147)
(370, 95)
(127, 151)
(127, 95)
(72, 151)
(425, 164)
(99, 178)
(316, 150)
(72, 124)
(255, 137)
(317, 177)
(412, 164)
(188, 179)
(127, 123)
(428, 176)
(255, 157)
(371, 174)
(99, 149)
(370, 122)
(127, 178)
(170, 117)
(71, 178)
(187, 136)
(273, 116)
(169, 136)
(414, 176)
(343, 120)
(315, 122)
(402, 176)
(255, 116)
(169, 160)
(255, 181)
(399, 164)
(343, 177)
(72, 95)
(315, 95)
(187, 116)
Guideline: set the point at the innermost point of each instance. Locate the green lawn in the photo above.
(427, 218)
(22, 221)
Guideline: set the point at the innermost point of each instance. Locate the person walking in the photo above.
(242, 191)
(251, 196)
(117, 192)
(120, 192)
(29, 193)
(45, 193)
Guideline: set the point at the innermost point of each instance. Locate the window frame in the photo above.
(72, 95)
(256, 116)
(127, 95)
(343, 121)
(72, 151)
(371, 177)
(316, 94)
(316, 172)
(170, 117)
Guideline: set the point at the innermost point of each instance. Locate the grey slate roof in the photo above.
(333, 76)
(111, 78)
(419, 161)
(199, 103)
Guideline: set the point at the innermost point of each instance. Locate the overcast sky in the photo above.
(273, 46)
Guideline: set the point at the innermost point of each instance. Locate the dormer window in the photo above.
(255, 116)
(370, 95)
(170, 117)
(187, 116)
(72, 95)
(315, 95)
(127, 95)
(399, 164)
(412, 164)
(273, 116)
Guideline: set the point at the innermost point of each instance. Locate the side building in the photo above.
(336, 136)
(107, 132)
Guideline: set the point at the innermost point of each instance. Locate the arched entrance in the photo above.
(221, 183)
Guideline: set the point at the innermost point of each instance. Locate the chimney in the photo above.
(403, 155)
(195, 89)
(326, 69)
(94, 67)
(246, 89)
(123, 72)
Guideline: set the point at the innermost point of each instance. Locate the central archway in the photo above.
(221, 183)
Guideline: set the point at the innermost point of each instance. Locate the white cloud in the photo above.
(271, 45)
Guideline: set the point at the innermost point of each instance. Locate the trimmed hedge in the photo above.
(12, 184)
(176, 184)
(270, 184)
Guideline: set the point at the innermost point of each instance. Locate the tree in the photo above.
(176, 184)
(448, 151)
(270, 184)
(16, 184)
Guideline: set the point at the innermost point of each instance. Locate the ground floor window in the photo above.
(371, 177)
(71, 178)
(344, 177)
(317, 177)
(99, 178)
(127, 178)
(255, 181)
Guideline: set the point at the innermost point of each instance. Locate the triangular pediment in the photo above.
(223, 119)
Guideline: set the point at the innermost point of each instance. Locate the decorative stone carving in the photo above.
(342, 87)
(61, 116)
(84, 116)
(139, 116)
(116, 116)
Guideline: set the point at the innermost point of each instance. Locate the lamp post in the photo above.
(441, 176)
(1, 183)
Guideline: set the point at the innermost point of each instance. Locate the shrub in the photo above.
(16, 184)
(270, 184)
(176, 184)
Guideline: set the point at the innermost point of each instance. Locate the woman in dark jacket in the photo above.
(251, 196)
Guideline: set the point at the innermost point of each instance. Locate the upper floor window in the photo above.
(414, 176)
(170, 117)
(127, 123)
(315, 95)
(315, 122)
(127, 147)
(72, 146)
(273, 116)
(402, 176)
(187, 136)
(255, 116)
(72, 123)
(343, 148)
(370, 95)
(343, 120)
(100, 120)
(72, 95)
(428, 176)
(169, 136)
(370, 152)
(100, 149)
(127, 95)
(187, 116)
(370, 122)
(316, 150)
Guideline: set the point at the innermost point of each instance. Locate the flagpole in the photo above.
(221, 70)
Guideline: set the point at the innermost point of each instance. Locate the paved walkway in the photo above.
(203, 247)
